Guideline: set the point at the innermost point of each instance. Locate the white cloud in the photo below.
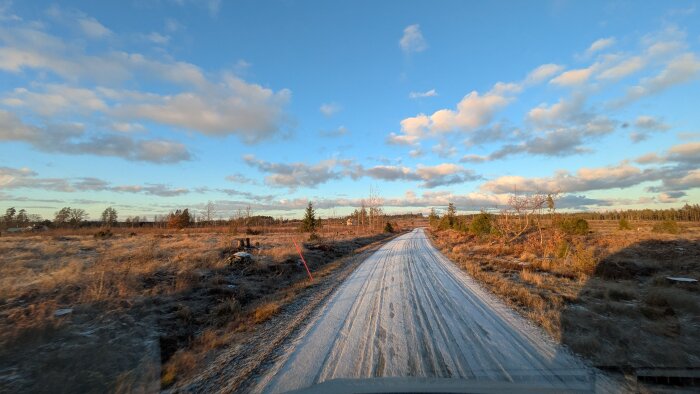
(125, 127)
(172, 25)
(56, 98)
(650, 123)
(679, 70)
(687, 153)
(560, 129)
(239, 178)
(415, 153)
(294, 175)
(73, 139)
(683, 154)
(416, 95)
(157, 38)
(556, 115)
(156, 189)
(543, 73)
(600, 44)
(93, 28)
(689, 180)
(24, 178)
(249, 111)
(329, 109)
(623, 69)
(216, 106)
(473, 111)
(16, 178)
(402, 139)
(298, 174)
(412, 40)
(573, 77)
(431, 176)
(670, 197)
(585, 179)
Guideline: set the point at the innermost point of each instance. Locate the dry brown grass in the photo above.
(604, 294)
(265, 312)
(177, 290)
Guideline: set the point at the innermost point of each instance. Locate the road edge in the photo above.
(237, 367)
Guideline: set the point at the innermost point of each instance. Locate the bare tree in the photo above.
(362, 214)
(248, 214)
(375, 209)
(76, 216)
(109, 217)
(209, 213)
(518, 217)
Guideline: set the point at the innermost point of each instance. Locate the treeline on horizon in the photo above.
(75, 217)
(68, 217)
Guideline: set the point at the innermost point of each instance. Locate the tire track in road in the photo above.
(407, 311)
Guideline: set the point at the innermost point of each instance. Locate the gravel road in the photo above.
(408, 312)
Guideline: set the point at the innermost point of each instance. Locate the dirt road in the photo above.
(409, 312)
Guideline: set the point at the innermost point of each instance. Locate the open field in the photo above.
(604, 294)
(144, 308)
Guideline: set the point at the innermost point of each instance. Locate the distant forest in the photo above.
(73, 217)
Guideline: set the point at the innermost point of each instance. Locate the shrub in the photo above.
(461, 225)
(563, 249)
(481, 224)
(574, 226)
(433, 218)
(250, 231)
(624, 224)
(388, 228)
(103, 234)
(314, 237)
(667, 226)
(444, 223)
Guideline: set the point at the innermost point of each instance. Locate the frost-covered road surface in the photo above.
(409, 312)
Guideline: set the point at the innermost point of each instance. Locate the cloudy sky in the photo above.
(152, 105)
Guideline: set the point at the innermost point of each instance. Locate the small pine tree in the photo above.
(9, 217)
(481, 224)
(185, 218)
(179, 219)
(433, 218)
(451, 215)
(624, 224)
(388, 228)
(309, 223)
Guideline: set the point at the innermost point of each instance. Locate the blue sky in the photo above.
(153, 105)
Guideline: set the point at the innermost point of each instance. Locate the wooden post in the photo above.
(247, 242)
